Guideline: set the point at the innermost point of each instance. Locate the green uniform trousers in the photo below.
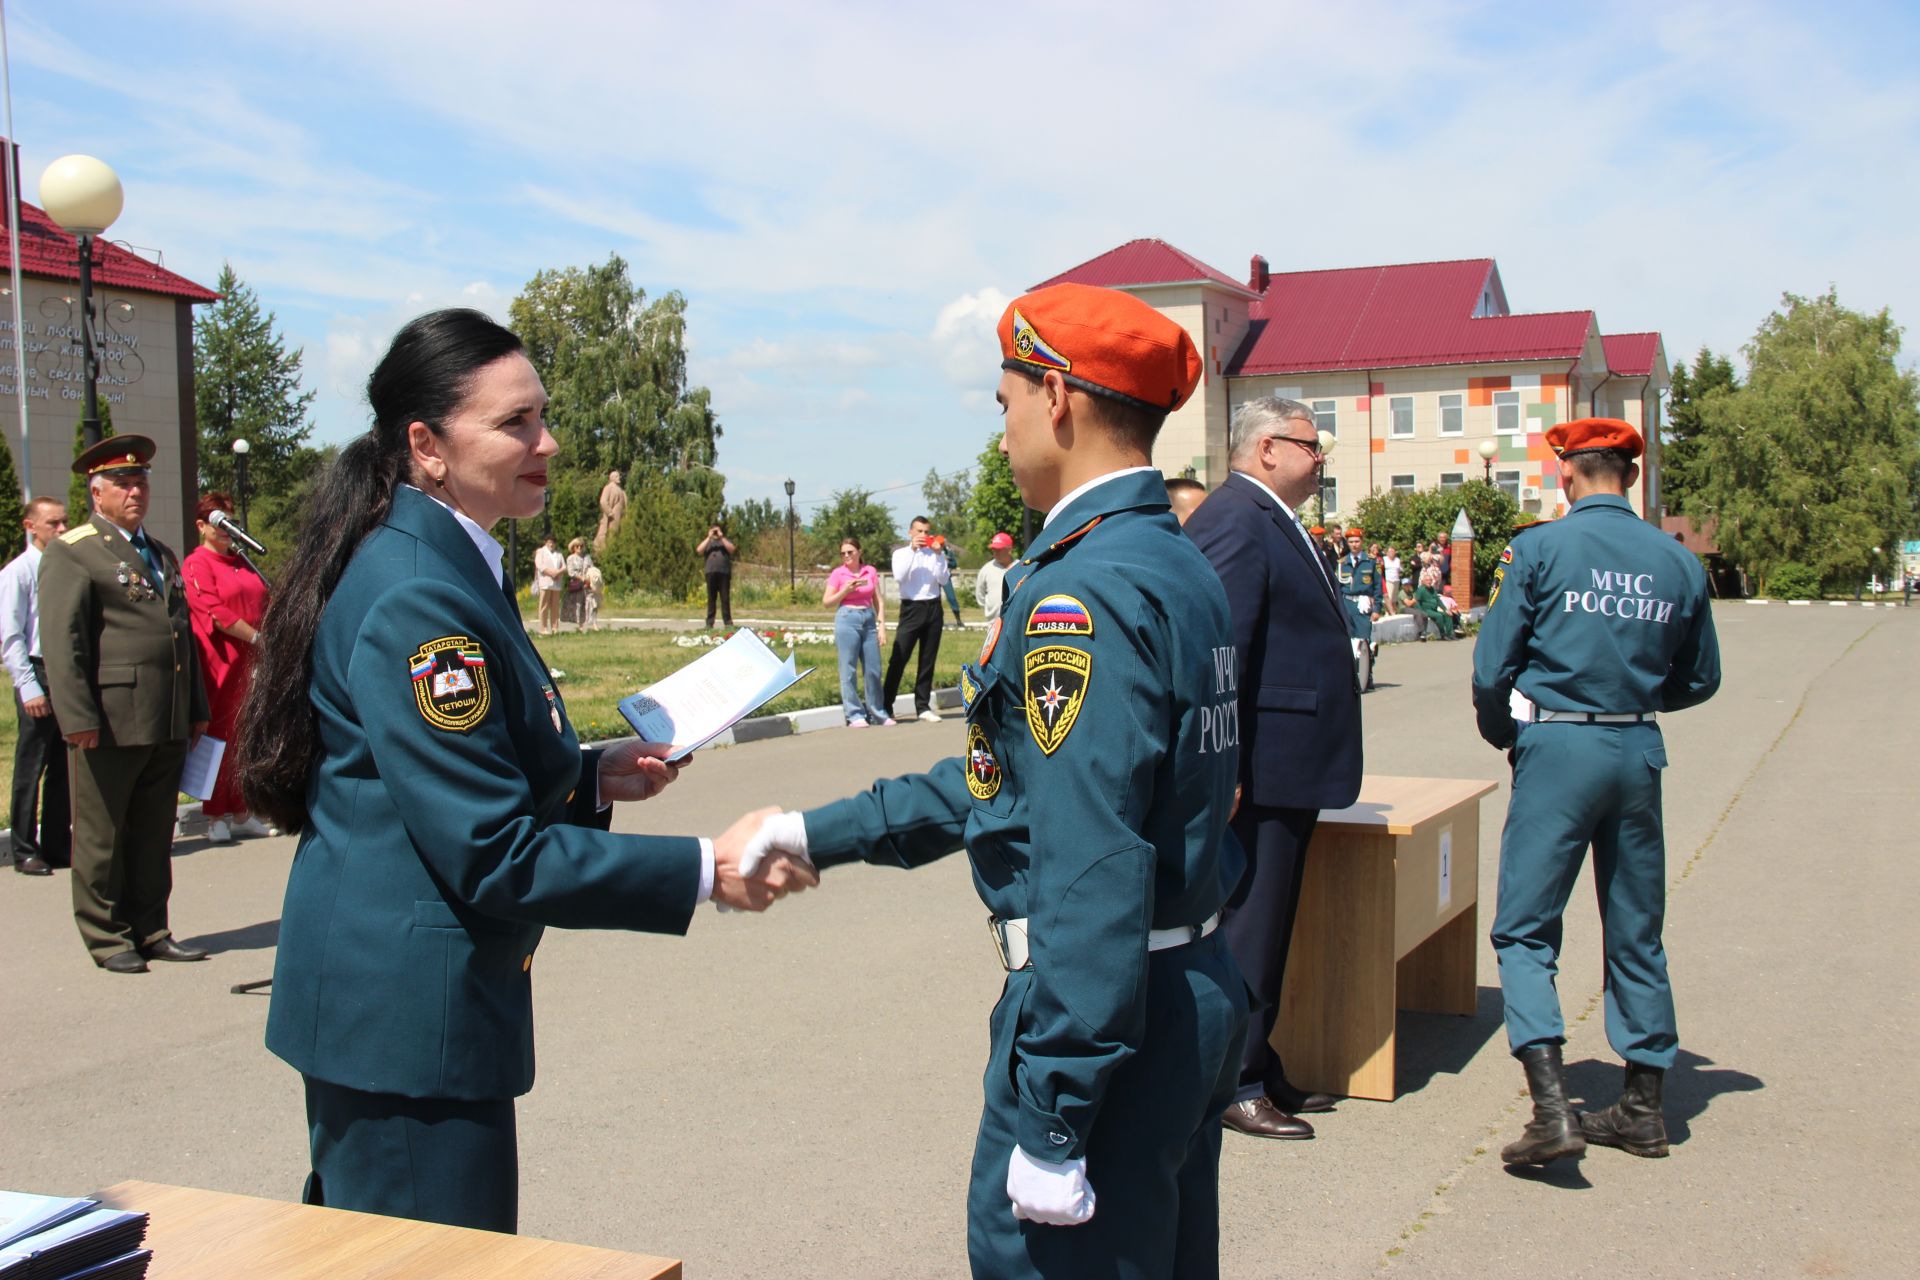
(1576, 785)
(123, 817)
(431, 1159)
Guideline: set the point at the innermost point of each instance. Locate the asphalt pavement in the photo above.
(795, 1094)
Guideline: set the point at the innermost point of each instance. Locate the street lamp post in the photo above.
(1486, 450)
(240, 451)
(790, 574)
(83, 195)
(1327, 441)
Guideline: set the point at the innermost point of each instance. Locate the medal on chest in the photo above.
(553, 708)
(138, 589)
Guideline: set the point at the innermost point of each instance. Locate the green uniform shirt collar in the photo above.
(1125, 491)
(1596, 500)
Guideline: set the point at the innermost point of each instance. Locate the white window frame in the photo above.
(1512, 398)
(1451, 480)
(1394, 484)
(1459, 410)
(1330, 422)
(1508, 483)
(1395, 404)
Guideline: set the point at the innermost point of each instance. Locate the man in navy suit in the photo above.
(1299, 720)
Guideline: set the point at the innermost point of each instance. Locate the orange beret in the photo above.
(1317, 530)
(1355, 531)
(1583, 434)
(1103, 341)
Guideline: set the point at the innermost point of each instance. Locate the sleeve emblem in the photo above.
(983, 770)
(1057, 678)
(1506, 554)
(1499, 576)
(1060, 616)
(450, 683)
(993, 638)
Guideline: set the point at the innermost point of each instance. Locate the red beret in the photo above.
(1583, 434)
(1317, 530)
(1100, 340)
(1355, 531)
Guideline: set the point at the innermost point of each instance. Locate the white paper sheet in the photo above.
(203, 766)
(708, 696)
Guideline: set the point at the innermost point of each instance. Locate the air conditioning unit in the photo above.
(1530, 494)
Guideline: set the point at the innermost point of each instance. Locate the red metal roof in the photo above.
(49, 252)
(1631, 354)
(1147, 261)
(1419, 313)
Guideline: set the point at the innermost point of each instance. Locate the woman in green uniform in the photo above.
(401, 722)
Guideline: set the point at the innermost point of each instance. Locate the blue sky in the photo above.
(848, 194)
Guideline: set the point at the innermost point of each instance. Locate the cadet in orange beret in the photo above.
(1598, 622)
(1102, 740)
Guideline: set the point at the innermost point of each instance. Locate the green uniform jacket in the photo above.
(118, 645)
(1598, 611)
(1359, 576)
(450, 817)
(1102, 747)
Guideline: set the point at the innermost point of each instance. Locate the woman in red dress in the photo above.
(226, 600)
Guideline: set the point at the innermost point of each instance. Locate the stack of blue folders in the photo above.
(58, 1238)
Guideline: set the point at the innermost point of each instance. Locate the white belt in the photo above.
(1010, 938)
(1595, 717)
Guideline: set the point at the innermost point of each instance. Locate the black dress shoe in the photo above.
(32, 865)
(168, 949)
(1259, 1118)
(124, 962)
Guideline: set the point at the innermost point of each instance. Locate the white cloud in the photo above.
(965, 338)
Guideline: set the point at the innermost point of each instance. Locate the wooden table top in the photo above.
(1395, 806)
(207, 1235)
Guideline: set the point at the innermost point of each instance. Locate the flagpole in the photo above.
(13, 253)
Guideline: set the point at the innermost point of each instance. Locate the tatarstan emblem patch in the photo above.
(450, 683)
(1057, 678)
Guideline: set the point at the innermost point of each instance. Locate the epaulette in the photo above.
(78, 532)
(1060, 548)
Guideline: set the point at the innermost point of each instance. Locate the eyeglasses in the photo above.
(1311, 446)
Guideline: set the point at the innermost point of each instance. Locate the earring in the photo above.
(439, 482)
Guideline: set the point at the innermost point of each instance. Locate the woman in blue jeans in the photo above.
(859, 629)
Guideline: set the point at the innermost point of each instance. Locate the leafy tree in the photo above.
(1816, 460)
(853, 511)
(994, 505)
(615, 366)
(1402, 519)
(246, 385)
(79, 505)
(653, 549)
(948, 500)
(1711, 375)
(13, 508)
(745, 522)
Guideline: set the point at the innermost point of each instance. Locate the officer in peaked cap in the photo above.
(125, 682)
(1093, 797)
(1597, 623)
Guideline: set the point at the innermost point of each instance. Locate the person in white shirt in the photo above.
(1390, 566)
(987, 583)
(921, 570)
(42, 821)
(549, 578)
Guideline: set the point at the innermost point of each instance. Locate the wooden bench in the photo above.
(1388, 919)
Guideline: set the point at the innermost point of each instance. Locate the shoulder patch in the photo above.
(1057, 679)
(1506, 554)
(1060, 616)
(968, 689)
(1499, 576)
(983, 770)
(993, 638)
(450, 683)
(78, 532)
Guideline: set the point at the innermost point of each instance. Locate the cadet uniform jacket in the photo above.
(1102, 727)
(118, 645)
(451, 817)
(1598, 611)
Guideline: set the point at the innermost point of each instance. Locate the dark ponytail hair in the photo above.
(422, 378)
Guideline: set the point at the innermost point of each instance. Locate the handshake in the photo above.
(761, 859)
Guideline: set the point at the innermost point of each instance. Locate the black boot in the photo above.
(1635, 1123)
(1552, 1133)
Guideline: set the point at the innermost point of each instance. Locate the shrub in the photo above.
(1793, 581)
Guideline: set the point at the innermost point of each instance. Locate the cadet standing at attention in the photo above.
(1359, 575)
(1596, 624)
(1093, 799)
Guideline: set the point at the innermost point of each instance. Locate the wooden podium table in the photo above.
(1388, 920)
(203, 1235)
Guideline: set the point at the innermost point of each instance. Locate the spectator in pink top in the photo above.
(225, 601)
(859, 629)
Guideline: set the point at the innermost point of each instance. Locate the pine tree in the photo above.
(246, 386)
(13, 508)
(1711, 375)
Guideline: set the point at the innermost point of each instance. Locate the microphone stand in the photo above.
(248, 988)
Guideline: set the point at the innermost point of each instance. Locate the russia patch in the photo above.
(1060, 616)
(1506, 554)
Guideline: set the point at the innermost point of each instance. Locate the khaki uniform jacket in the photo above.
(118, 646)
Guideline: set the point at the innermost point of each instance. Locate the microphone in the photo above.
(231, 527)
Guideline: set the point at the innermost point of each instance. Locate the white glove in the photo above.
(1058, 1195)
(782, 833)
